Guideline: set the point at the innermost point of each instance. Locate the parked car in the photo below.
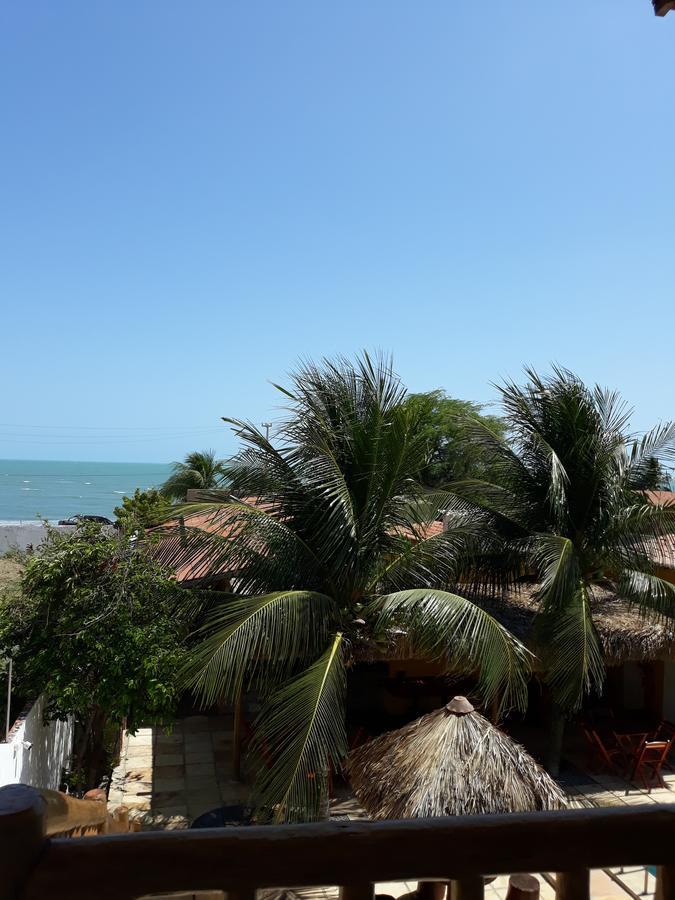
(75, 520)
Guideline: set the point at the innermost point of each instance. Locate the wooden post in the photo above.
(573, 885)
(468, 888)
(241, 893)
(22, 817)
(665, 883)
(431, 890)
(360, 890)
(523, 887)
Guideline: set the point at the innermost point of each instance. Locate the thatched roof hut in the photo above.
(625, 634)
(450, 762)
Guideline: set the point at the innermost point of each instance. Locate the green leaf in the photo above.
(649, 592)
(558, 567)
(257, 639)
(301, 733)
(570, 650)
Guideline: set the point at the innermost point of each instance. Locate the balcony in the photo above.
(353, 855)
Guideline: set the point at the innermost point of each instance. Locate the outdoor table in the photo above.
(631, 740)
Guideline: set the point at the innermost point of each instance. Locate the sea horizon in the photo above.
(35, 489)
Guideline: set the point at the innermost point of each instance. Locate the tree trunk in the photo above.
(96, 761)
(236, 738)
(555, 739)
(83, 743)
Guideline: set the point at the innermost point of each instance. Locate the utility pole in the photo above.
(8, 720)
(266, 426)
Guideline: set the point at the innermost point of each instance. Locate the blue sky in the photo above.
(193, 196)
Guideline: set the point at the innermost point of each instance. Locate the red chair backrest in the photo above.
(654, 752)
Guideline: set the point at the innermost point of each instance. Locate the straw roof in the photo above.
(625, 634)
(450, 762)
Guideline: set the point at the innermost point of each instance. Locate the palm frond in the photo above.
(445, 627)
(510, 507)
(649, 592)
(302, 730)
(557, 563)
(659, 444)
(437, 559)
(253, 544)
(570, 650)
(198, 471)
(257, 640)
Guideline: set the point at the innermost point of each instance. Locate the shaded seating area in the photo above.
(634, 751)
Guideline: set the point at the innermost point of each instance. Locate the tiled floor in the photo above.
(168, 777)
(610, 790)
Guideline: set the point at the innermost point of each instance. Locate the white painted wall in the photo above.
(21, 535)
(36, 753)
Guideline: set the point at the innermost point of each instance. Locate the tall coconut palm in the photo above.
(571, 513)
(331, 548)
(199, 470)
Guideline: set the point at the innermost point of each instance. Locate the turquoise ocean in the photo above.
(32, 489)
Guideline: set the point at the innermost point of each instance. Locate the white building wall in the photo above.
(36, 753)
(21, 535)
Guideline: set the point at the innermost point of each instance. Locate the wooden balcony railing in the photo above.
(353, 855)
(67, 816)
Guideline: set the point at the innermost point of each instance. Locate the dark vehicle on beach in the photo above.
(76, 520)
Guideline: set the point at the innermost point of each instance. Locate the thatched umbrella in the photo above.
(450, 762)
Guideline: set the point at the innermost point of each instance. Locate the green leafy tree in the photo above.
(565, 502)
(653, 477)
(142, 510)
(336, 550)
(101, 631)
(199, 471)
(445, 425)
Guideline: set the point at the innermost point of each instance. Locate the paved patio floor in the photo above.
(169, 776)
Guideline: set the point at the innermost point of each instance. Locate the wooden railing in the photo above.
(353, 855)
(68, 816)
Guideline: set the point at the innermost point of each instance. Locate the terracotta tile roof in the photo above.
(196, 567)
(661, 498)
(662, 551)
(430, 529)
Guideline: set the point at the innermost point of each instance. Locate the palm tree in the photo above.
(334, 551)
(569, 506)
(200, 471)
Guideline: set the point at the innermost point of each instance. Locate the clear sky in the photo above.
(195, 195)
